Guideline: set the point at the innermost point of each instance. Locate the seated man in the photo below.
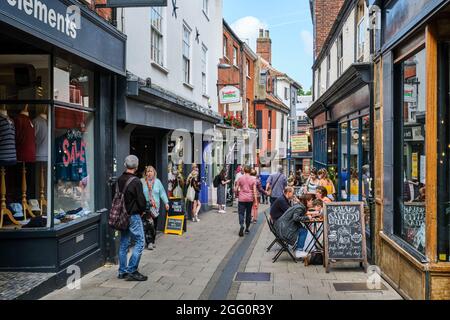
(289, 224)
(282, 204)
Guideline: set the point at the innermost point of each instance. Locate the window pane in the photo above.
(73, 84)
(24, 77)
(354, 160)
(74, 163)
(24, 151)
(344, 176)
(413, 160)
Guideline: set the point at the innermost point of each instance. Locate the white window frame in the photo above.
(156, 29)
(235, 56)
(328, 70)
(340, 54)
(204, 59)
(360, 31)
(225, 47)
(248, 67)
(186, 53)
(206, 7)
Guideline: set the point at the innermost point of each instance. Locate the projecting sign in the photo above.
(136, 3)
(229, 94)
(300, 143)
(235, 107)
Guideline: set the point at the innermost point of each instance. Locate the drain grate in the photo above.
(252, 276)
(360, 286)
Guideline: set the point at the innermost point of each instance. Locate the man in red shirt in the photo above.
(246, 186)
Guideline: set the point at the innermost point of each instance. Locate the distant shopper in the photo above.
(259, 192)
(193, 183)
(222, 182)
(276, 184)
(282, 204)
(154, 192)
(264, 177)
(135, 204)
(246, 187)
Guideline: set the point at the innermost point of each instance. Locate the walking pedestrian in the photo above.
(264, 177)
(221, 190)
(193, 181)
(276, 184)
(154, 192)
(259, 192)
(246, 187)
(135, 203)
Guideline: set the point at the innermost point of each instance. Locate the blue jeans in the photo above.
(135, 231)
(245, 213)
(303, 233)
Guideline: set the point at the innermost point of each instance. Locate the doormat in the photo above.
(358, 286)
(252, 276)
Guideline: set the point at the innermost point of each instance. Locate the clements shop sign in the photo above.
(66, 22)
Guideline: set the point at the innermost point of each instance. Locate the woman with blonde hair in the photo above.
(193, 182)
(154, 192)
(325, 181)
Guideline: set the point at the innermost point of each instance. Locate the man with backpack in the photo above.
(134, 201)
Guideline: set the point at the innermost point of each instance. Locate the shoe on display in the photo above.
(150, 246)
(300, 254)
(241, 232)
(136, 276)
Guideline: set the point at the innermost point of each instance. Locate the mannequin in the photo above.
(41, 130)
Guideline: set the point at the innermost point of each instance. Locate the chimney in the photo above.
(325, 13)
(264, 45)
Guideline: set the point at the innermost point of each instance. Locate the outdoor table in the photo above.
(315, 228)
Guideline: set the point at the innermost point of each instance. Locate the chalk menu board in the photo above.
(174, 225)
(344, 233)
(176, 208)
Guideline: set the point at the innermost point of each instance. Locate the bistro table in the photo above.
(315, 228)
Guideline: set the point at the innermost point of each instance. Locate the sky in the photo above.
(290, 26)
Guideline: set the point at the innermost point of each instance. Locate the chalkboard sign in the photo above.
(414, 224)
(174, 225)
(344, 234)
(176, 207)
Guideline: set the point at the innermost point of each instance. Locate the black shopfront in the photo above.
(57, 100)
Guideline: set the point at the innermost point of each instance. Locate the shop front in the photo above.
(411, 116)
(56, 88)
(342, 139)
(166, 132)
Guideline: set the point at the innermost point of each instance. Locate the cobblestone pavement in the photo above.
(191, 267)
(294, 281)
(15, 284)
(180, 267)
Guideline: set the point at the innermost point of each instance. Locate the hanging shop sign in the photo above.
(235, 107)
(70, 26)
(229, 94)
(344, 234)
(300, 143)
(410, 93)
(136, 3)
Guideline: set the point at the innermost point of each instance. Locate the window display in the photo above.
(74, 164)
(410, 224)
(354, 160)
(344, 175)
(23, 194)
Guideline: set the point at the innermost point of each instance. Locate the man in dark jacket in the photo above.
(282, 204)
(135, 204)
(289, 224)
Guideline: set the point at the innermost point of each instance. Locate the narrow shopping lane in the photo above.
(202, 264)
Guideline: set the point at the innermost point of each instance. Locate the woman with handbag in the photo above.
(154, 192)
(193, 192)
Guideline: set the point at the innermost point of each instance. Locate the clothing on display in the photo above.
(41, 129)
(70, 158)
(25, 139)
(8, 155)
(66, 118)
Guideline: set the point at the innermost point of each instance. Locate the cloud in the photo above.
(307, 41)
(247, 28)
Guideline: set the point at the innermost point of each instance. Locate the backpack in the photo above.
(118, 216)
(314, 259)
(216, 181)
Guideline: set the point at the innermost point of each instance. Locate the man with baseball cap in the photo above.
(135, 203)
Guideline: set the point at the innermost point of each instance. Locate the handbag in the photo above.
(270, 188)
(190, 194)
(178, 192)
(314, 259)
(154, 212)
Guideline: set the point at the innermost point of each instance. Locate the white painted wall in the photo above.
(282, 85)
(135, 23)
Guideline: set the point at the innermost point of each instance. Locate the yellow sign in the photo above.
(300, 143)
(415, 165)
(174, 225)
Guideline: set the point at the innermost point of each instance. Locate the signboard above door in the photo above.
(136, 3)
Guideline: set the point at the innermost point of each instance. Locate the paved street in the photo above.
(201, 265)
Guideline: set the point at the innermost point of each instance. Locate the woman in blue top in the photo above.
(154, 192)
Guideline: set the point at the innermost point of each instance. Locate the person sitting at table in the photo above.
(282, 204)
(322, 194)
(318, 207)
(307, 201)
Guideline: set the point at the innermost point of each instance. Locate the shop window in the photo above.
(74, 164)
(24, 151)
(344, 157)
(157, 36)
(354, 160)
(367, 192)
(25, 77)
(73, 84)
(410, 159)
